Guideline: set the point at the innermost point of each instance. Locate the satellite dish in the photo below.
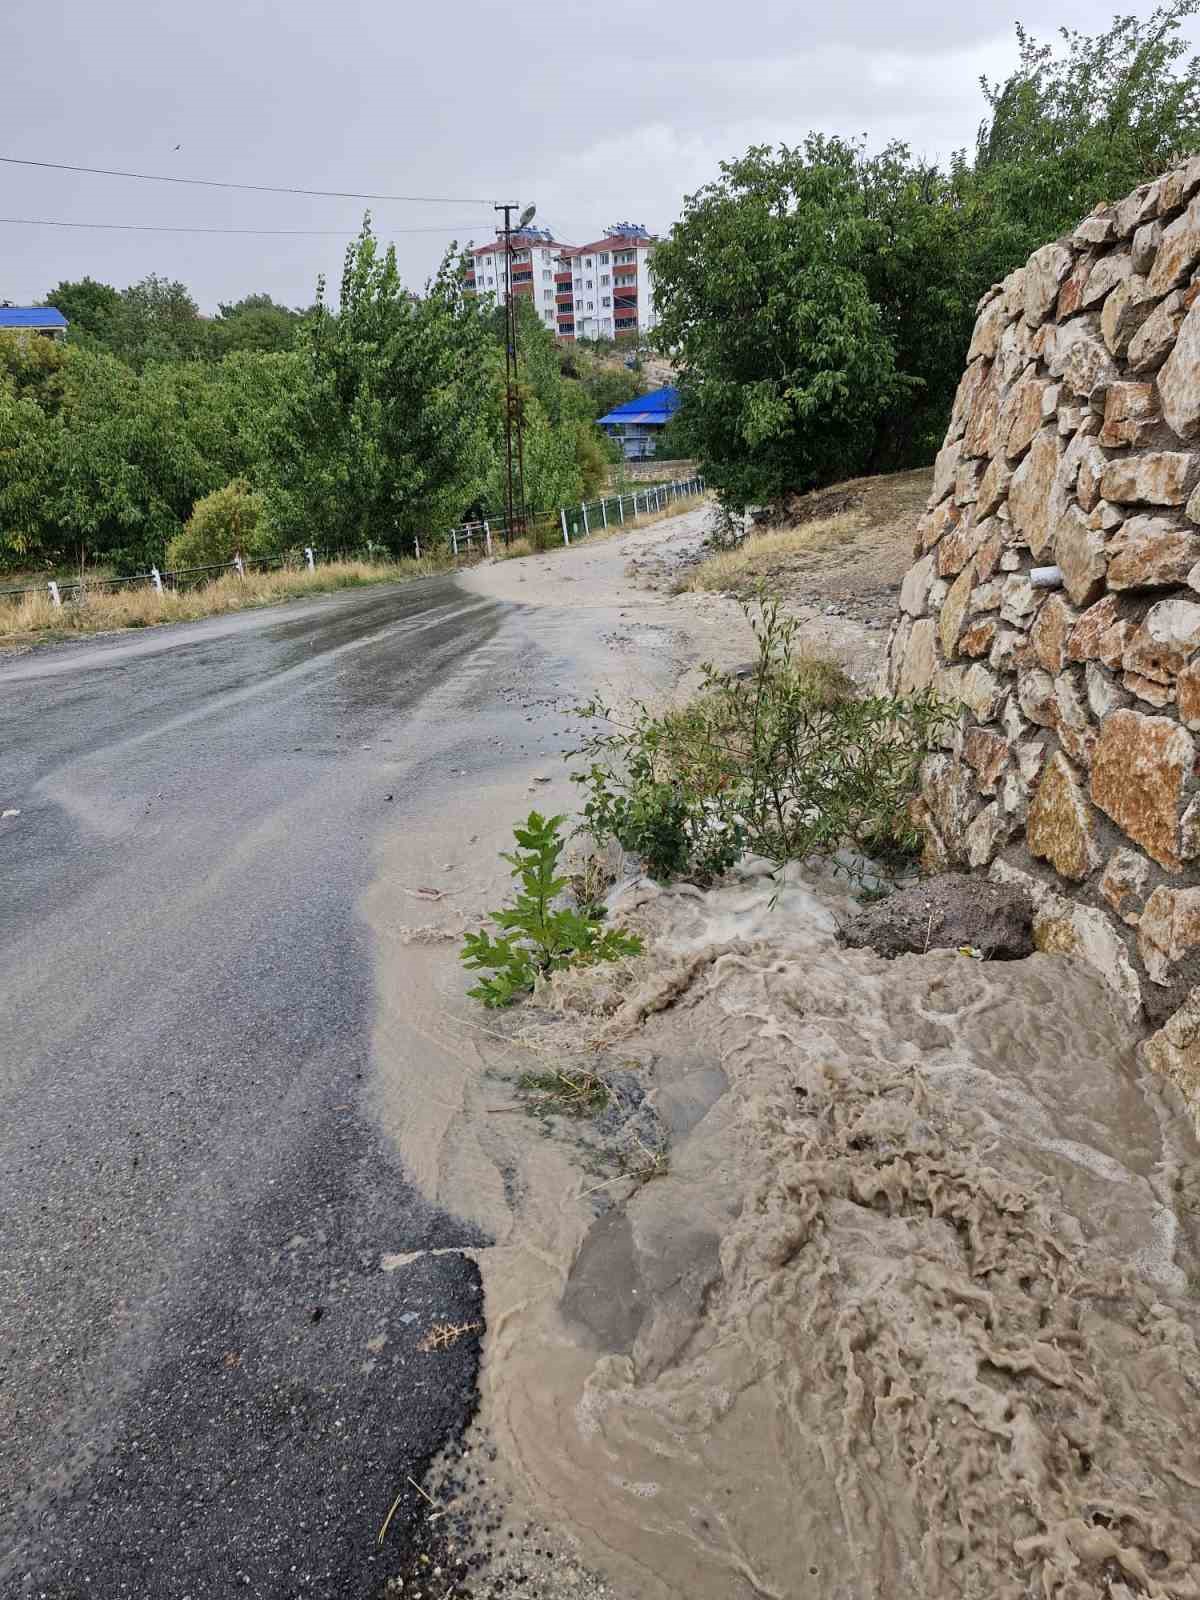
(527, 216)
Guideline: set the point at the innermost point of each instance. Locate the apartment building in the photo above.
(605, 290)
(601, 290)
(535, 263)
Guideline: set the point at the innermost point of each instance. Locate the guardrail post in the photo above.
(604, 511)
(621, 508)
(566, 535)
(417, 544)
(308, 557)
(156, 579)
(55, 597)
(487, 536)
(454, 542)
(586, 529)
(240, 565)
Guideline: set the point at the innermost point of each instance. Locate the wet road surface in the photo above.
(208, 1386)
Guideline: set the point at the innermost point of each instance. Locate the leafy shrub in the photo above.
(230, 521)
(787, 764)
(535, 938)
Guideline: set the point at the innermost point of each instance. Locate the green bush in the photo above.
(230, 521)
(787, 763)
(535, 938)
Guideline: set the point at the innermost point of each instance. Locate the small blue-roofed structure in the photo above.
(44, 320)
(638, 423)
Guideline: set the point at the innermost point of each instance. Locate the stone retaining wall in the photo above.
(1075, 443)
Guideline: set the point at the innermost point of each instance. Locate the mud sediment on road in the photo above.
(910, 1306)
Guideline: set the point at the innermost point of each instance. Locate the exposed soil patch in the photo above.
(948, 912)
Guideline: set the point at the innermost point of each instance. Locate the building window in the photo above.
(579, 305)
(603, 279)
(606, 301)
(587, 261)
(591, 305)
(604, 259)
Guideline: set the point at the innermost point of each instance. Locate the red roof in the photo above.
(521, 244)
(614, 241)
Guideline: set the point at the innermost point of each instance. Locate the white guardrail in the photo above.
(575, 522)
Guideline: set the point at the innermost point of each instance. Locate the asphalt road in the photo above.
(208, 1386)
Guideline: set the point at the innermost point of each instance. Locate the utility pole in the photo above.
(514, 487)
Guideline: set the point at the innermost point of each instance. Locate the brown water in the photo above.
(913, 1310)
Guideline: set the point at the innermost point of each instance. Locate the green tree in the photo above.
(256, 323)
(90, 307)
(389, 432)
(786, 367)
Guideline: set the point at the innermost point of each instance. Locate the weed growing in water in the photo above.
(569, 1091)
(787, 763)
(535, 938)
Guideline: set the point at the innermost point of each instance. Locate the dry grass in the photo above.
(142, 607)
(759, 554)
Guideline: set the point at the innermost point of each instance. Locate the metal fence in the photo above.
(470, 540)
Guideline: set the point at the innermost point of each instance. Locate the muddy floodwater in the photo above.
(897, 1294)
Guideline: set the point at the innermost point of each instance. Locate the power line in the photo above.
(254, 188)
(154, 227)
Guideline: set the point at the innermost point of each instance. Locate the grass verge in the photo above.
(759, 553)
(142, 607)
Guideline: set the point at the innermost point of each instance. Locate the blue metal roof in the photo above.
(31, 317)
(658, 406)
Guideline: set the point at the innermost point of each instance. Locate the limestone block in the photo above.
(981, 692)
(1145, 246)
(1151, 553)
(1187, 692)
(1061, 928)
(1070, 294)
(1091, 468)
(987, 755)
(934, 524)
(980, 436)
(970, 386)
(919, 661)
(948, 790)
(1179, 379)
(1004, 652)
(1029, 492)
(1166, 641)
(1061, 828)
(1126, 310)
(1080, 552)
(960, 544)
(990, 830)
(1169, 930)
(1016, 353)
(1131, 412)
(1107, 517)
(1104, 277)
(1154, 692)
(1050, 632)
(1135, 210)
(1156, 478)
(1112, 644)
(1084, 641)
(1019, 600)
(1177, 254)
(944, 470)
(1138, 775)
(1099, 228)
(1155, 339)
(1123, 883)
(989, 325)
(1081, 358)
(1189, 831)
(954, 610)
(1104, 694)
(1035, 693)
(967, 480)
(1174, 1052)
(1022, 416)
(977, 638)
(914, 591)
(993, 488)
(1044, 271)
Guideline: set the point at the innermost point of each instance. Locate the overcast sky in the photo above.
(600, 111)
